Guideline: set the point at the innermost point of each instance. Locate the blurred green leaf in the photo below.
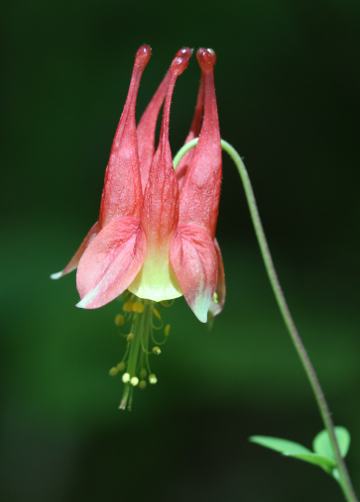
(295, 450)
(313, 458)
(336, 475)
(283, 446)
(322, 445)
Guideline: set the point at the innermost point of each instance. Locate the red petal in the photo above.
(194, 261)
(147, 125)
(73, 263)
(110, 262)
(160, 210)
(122, 194)
(146, 130)
(199, 197)
(218, 305)
(193, 133)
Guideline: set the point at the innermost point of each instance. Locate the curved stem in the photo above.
(345, 481)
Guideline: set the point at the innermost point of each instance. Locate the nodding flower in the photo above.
(155, 234)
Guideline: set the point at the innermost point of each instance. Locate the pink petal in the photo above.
(110, 262)
(122, 193)
(200, 193)
(146, 130)
(147, 125)
(194, 132)
(73, 263)
(160, 210)
(194, 261)
(217, 306)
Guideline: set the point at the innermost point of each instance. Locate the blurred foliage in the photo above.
(323, 455)
(288, 84)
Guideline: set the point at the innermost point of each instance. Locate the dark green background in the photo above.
(288, 85)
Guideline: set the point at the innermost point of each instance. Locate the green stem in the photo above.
(136, 331)
(345, 481)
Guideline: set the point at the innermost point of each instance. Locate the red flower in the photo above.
(155, 235)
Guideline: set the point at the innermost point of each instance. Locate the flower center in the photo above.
(156, 280)
(143, 317)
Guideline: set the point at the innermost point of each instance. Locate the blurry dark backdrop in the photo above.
(288, 85)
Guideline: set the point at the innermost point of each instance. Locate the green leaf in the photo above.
(336, 475)
(312, 458)
(322, 445)
(295, 450)
(283, 446)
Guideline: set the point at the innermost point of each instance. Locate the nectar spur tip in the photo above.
(184, 52)
(143, 55)
(181, 60)
(206, 59)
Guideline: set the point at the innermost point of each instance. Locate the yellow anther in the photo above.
(120, 366)
(167, 330)
(134, 381)
(156, 350)
(113, 371)
(143, 373)
(152, 379)
(120, 320)
(156, 313)
(126, 377)
(215, 297)
(130, 337)
(167, 303)
(138, 307)
(128, 307)
(142, 384)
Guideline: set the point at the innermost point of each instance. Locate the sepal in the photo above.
(73, 263)
(219, 296)
(111, 262)
(193, 258)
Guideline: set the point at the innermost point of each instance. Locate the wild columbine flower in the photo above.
(154, 240)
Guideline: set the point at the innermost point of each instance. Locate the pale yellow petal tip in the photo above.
(88, 298)
(84, 302)
(202, 316)
(56, 275)
(201, 307)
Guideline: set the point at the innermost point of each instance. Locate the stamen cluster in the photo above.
(144, 332)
